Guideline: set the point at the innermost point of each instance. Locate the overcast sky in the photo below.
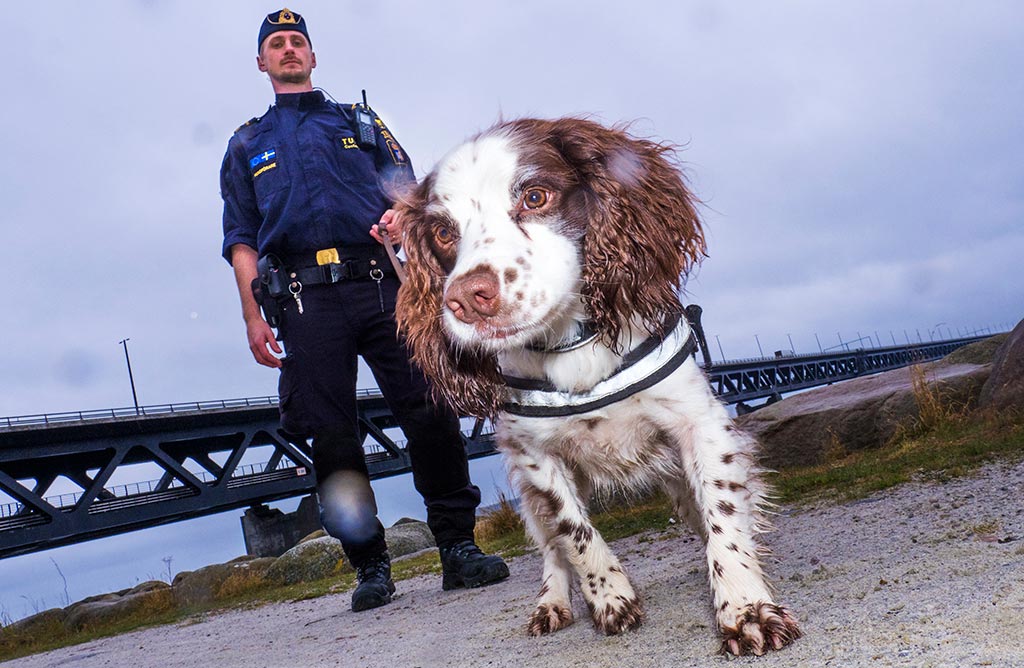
(860, 164)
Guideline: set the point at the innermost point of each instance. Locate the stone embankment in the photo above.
(315, 557)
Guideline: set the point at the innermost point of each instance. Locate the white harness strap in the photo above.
(648, 364)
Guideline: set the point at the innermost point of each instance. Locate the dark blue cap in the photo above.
(285, 19)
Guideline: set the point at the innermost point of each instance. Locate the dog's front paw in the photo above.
(548, 618)
(758, 628)
(618, 614)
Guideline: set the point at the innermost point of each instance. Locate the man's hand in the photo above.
(260, 336)
(259, 333)
(390, 222)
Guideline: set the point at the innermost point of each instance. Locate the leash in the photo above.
(392, 255)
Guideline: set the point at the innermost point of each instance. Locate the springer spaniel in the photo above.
(544, 267)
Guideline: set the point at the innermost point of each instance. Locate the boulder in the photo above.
(319, 533)
(245, 576)
(149, 585)
(42, 624)
(192, 588)
(809, 427)
(319, 555)
(408, 536)
(309, 560)
(109, 609)
(1005, 387)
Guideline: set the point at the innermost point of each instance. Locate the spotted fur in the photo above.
(515, 238)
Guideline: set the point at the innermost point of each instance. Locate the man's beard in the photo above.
(293, 76)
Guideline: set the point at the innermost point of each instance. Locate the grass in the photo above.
(946, 441)
(944, 452)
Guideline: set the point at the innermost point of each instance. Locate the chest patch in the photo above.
(263, 162)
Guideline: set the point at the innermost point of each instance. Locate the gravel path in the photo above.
(928, 574)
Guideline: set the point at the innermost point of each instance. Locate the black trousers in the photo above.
(318, 398)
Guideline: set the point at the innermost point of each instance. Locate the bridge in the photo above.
(151, 465)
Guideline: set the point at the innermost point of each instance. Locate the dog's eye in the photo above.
(535, 198)
(443, 235)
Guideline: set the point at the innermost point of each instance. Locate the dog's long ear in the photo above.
(468, 381)
(643, 233)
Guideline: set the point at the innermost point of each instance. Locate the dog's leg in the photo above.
(563, 528)
(554, 610)
(718, 461)
(685, 507)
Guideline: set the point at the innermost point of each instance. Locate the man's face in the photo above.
(287, 57)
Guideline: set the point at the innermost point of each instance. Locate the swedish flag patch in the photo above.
(262, 162)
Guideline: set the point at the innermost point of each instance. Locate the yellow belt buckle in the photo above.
(327, 256)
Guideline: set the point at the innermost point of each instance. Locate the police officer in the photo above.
(302, 186)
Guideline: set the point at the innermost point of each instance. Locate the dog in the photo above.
(545, 261)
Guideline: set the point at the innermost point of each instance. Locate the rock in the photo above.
(807, 428)
(202, 586)
(1005, 387)
(44, 624)
(981, 352)
(408, 536)
(319, 557)
(309, 560)
(246, 575)
(319, 533)
(407, 520)
(143, 606)
(149, 585)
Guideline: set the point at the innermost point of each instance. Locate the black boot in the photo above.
(375, 584)
(464, 565)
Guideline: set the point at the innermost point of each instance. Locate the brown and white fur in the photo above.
(516, 237)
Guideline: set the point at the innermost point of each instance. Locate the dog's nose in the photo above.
(474, 296)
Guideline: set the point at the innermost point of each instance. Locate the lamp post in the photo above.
(128, 361)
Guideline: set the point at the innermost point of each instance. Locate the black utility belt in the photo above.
(282, 279)
(346, 270)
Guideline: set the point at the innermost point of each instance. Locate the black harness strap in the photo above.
(649, 345)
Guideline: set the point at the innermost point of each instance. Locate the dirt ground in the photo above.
(928, 574)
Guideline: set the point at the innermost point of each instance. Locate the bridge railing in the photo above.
(43, 419)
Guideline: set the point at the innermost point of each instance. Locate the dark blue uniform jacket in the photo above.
(295, 181)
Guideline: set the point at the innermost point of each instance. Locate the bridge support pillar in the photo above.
(268, 532)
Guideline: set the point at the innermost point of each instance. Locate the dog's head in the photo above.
(528, 226)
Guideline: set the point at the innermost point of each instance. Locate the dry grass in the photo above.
(500, 522)
(936, 409)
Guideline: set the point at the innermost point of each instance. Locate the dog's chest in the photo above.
(614, 446)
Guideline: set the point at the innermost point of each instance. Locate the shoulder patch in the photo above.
(251, 121)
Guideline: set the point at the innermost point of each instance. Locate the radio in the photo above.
(366, 133)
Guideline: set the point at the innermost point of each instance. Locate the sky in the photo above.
(859, 166)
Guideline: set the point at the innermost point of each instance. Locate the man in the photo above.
(302, 188)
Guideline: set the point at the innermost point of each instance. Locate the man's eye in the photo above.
(535, 198)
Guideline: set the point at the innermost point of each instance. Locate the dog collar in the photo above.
(586, 334)
(648, 364)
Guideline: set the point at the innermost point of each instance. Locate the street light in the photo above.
(135, 398)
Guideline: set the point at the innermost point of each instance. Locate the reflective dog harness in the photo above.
(648, 364)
